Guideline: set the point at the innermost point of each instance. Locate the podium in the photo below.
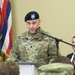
(27, 68)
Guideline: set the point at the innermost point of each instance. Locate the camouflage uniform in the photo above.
(36, 48)
(57, 69)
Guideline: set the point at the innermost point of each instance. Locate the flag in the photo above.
(5, 27)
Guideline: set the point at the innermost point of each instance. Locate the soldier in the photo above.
(59, 66)
(32, 46)
(57, 69)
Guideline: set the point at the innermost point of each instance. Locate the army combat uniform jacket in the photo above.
(37, 48)
(57, 69)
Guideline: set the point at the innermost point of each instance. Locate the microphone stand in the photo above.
(57, 41)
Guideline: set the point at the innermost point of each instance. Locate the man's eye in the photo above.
(28, 23)
(34, 22)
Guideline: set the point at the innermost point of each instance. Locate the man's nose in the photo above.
(31, 26)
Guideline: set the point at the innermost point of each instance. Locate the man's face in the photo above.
(73, 43)
(32, 25)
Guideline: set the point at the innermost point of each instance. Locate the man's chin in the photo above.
(32, 32)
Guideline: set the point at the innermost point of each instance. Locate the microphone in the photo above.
(57, 39)
(41, 32)
(38, 30)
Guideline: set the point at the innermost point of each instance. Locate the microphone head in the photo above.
(38, 30)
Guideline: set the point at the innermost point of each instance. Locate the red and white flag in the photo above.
(5, 27)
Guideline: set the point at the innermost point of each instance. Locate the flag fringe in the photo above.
(7, 55)
(0, 58)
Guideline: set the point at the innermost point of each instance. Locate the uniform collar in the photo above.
(35, 35)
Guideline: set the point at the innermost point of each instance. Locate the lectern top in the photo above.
(26, 63)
